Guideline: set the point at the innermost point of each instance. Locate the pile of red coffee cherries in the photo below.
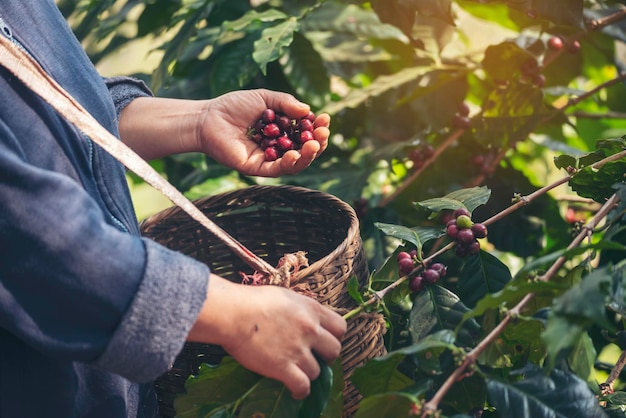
(276, 133)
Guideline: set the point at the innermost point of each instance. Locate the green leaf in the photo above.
(386, 405)
(232, 65)
(351, 19)
(505, 60)
(533, 394)
(575, 311)
(273, 40)
(251, 17)
(354, 291)
(615, 404)
(436, 308)
(582, 359)
(214, 385)
(403, 233)
(176, 46)
(269, 399)
(381, 374)
(512, 293)
(305, 70)
(379, 86)
(597, 184)
(316, 402)
(334, 407)
(587, 300)
(470, 199)
(480, 276)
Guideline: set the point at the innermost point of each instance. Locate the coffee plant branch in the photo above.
(459, 373)
(519, 201)
(408, 180)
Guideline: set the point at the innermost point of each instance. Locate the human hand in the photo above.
(227, 118)
(270, 330)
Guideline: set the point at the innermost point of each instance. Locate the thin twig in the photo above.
(408, 180)
(607, 386)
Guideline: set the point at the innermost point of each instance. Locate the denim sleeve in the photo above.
(76, 287)
(124, 90)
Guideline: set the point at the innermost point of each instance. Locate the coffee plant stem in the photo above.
(601, 23)
(574, 101)
(408, 180)
(607, 386)
(472, 356)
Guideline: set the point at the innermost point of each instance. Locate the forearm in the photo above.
(157, 127)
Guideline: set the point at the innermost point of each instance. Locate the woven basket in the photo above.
(272, 221)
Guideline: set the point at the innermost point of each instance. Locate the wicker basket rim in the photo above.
(352, 232)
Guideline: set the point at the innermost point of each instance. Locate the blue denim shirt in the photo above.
(88, 308)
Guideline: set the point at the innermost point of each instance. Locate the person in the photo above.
(91, 313)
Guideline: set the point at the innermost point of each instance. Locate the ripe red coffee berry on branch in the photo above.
(555, 43)
(276, 133)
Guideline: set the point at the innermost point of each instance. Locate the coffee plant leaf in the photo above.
(582, 359)
(469, 394)
(617, 299)
(397, 13)
(435, 309)
(503, 61)
(564, 161)
(214, 385)
(440, 9)
(233, 64)
(512, 293)
(597, 184)
(253, 17)
(174, 47)
(317, 400)
(273, 41)
(380, 375)
(335, 405)
(305, 70)
(532, 393)
(588, 299)
(270, 399)
(615, 404)
(354, 291)
(396, 404)
(469, 198)
(481, 275)
(379, 86)
(404, 233)
(352, 20)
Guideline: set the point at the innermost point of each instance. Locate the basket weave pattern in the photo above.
(272, 221)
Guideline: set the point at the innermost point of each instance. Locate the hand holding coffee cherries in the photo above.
(230, 120)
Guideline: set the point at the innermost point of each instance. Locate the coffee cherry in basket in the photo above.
(277, 133)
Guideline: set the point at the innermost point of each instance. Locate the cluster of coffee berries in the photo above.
(465, 232)
(461, 118)
(421, 154)
(276, 133)
(531, 72)
(428, 276)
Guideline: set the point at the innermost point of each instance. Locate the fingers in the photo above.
(293, 162)
(296, 380)
(284, 103)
